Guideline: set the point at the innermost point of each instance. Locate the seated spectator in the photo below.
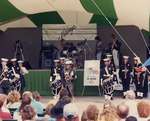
(4, 98)
(131, 102)
(63, 93)
(26, 100)
(70, 112)
(57, 110)
(122, 111)
(48, 112)
(143, 109)
(28, 113)
(131, 118)
(4, 115)
(36, 96)
(13, 99)
(36, 104)
(109, 114)
(84, 116)
(91, 113)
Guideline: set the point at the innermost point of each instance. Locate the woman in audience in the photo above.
(36, 96)
(4, 115)
(13, 100)
(26, 100)
(28, 113)
(143, 109)
(36, 104)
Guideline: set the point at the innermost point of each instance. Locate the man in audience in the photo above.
(131, 118)
(3, 115)
(92, 112)
(122, 111)
(70, 112)
(143, 109)
(131, 102)
(57, 110)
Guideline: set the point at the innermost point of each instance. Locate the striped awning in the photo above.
(32, 13)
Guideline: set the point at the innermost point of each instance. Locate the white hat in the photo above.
(106, 59)
(125, 57)
(109, 55)
(56, 61)
(138, 59)
(20, 61)
(68, 62)
(4, 59)
(13, 60)
(70, 110)
(65, 52)
(74, 51)
(62, 58)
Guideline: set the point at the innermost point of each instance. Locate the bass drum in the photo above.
(108, 87)
(16, 85)
(56, 86)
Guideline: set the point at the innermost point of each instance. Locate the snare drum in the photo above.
(56, 84)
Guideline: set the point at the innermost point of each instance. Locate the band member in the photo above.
(115, 50)
(4, 81)
(99, 48)
(14, 75)
(69, 76)
(23, 71)
(113, 68)
(55, 78)
(125, 74)
(107, 79)
(139, 77)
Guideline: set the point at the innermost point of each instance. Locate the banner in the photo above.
(91, 73)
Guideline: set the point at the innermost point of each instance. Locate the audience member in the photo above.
(70, 112)
(57, 110)
(131, 102)
(48, 112)
(109, 114)
(4, 115)
(13, 100)
(36, 96)
(131, 118)
(36, 104)
(122, 111)
(143, 109)
(84, 116)
(26, 100)
(92, 112)
(28, 113)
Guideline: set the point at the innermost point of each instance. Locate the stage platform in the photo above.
(38, 80)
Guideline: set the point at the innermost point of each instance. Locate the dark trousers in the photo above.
(126, 84)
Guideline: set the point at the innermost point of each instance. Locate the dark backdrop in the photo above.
(132, 36)
(31, 39)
